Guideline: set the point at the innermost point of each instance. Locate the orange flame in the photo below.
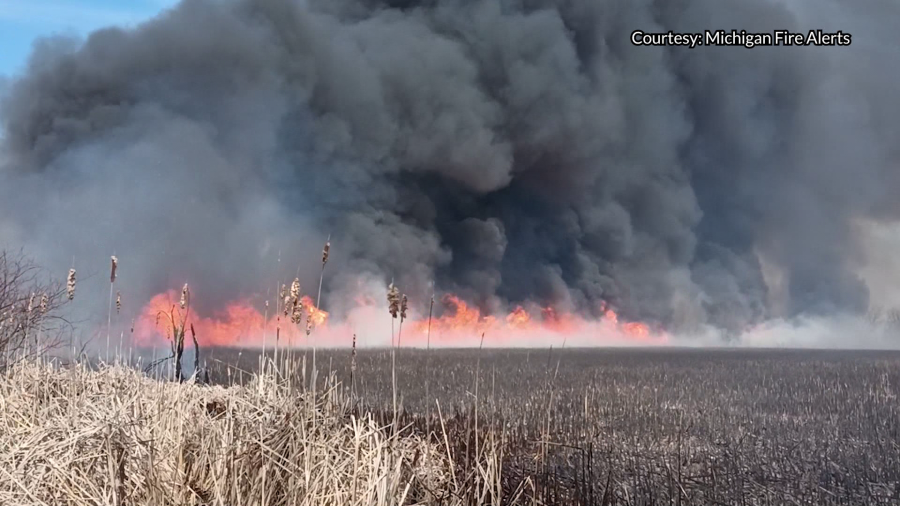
(317, 316)
(519, 318)
(461, 322)
(240, 323)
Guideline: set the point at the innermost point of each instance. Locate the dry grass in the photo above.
(73, 436)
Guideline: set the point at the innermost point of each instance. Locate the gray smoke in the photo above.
(515, 150)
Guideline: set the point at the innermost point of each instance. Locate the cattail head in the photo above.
(308, 323)
(297, 313)
(185, 296)
(30, 304)
(70, 284)
(45, 303)
(292, 303)
(325, 251)
(112, 269)
(404, 305)
(118, 302)
(286, 304)
(393, 297)
(295, 291)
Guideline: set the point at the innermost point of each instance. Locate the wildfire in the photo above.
(241, 323)
(318, 316)
(636, 329)
(461, 321)
(519, 318)
(238, 324)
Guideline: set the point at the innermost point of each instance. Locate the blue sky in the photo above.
(22, 21)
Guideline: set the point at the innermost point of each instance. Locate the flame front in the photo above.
(520, 327)
(240, 323)
(318, 316)
(519, 318)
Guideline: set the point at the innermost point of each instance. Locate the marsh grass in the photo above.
(80, 436)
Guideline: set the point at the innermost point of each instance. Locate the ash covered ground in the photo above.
(648, 426)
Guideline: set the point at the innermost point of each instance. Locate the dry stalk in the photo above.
(325, 252)
(114, 265)
(428, 358)
(353, 370)
(196, 354)
(393, 297)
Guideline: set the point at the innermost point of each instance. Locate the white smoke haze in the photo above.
(519, 152)
(823, 332)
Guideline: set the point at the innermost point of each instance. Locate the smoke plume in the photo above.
(513, 151)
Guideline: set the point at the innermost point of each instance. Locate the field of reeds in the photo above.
(645, 426)
(593, 427)
(80, 435)
(433, 427)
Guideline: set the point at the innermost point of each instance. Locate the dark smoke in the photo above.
(511, 150)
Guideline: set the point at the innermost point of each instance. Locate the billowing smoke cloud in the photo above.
(520, 150)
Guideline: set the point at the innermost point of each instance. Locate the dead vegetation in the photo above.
(648, 427)
(455, 427)
(74, 436)
(30, 321)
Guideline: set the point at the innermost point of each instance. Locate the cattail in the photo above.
(295, 290)
(297, 313)
(287, 305)
(404, 305)
(308, 323)
(45, 303)
(70, 284)
(112, 269)
(185, 293)
(393, 297)
(325, 252)
(118, 302)
(30, 304)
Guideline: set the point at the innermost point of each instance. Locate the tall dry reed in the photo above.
(80, 437)
(114, 266)
(393, 297)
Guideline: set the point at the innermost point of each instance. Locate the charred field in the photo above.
(644, 426)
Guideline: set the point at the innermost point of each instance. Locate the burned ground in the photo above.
(660, 426)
